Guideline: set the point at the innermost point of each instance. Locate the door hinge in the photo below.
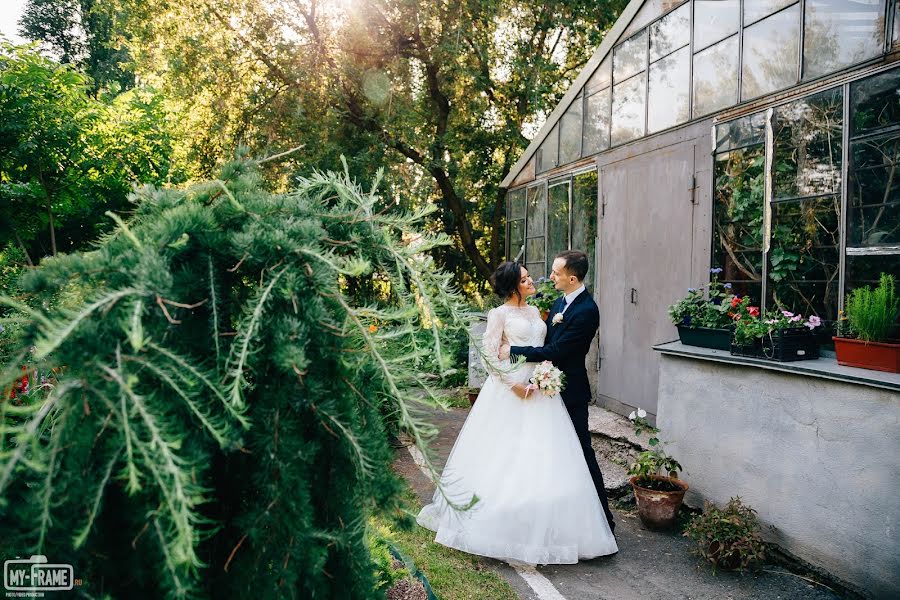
(603, 208)
(633, 296)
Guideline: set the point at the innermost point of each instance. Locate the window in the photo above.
(584, 221)
(601, 78)
(630, 57)
(669, 89)
(670, 33)
(754, 10)
(801, 271)
(535, 242)
(714, 20)
(771, 55)
(548, 153)
(570, 133)
(629, 102)
(515, 218)
(558, 218)
(716, 77)
(596, 123)
(840, 33)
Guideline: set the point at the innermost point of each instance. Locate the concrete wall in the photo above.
(818, 459)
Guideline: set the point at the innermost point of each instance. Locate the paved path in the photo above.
(649, 565)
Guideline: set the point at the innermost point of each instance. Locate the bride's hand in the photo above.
(504, 352)
(524, 391)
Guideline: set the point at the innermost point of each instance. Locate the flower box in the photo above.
(867, 355)
(783, 345)
(705, 337)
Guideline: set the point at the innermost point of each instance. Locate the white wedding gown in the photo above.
(521, 458)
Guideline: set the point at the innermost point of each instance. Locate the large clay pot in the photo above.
(657, 509)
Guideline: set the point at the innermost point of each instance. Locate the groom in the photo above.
(571, 324)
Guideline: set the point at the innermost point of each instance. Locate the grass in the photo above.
(453, 575)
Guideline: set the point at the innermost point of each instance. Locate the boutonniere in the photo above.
(557, 318)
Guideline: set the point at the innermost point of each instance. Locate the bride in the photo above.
(519, 455)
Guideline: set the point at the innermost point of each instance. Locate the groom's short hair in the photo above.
(576, 263)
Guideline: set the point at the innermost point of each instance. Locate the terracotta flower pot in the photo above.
(867, 355)
(544, 314)
(473, 396)
(657, 509)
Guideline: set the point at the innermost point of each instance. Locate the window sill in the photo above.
(824, 368)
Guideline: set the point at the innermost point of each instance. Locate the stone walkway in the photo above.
(649, 565)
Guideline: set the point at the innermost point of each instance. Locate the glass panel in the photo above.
(803, 257)
(875, 102)
(841, 33)
(596, 123)
(650, 10)
(629, 100)
(714, 20)
(516, 238)
(537, 211)
(716, 77)
(549, 151)
(865, 270)
(738, 218)
(534, 250)
(630, 57)
(558, 219)
(741, 132)
(516, 201)
(570, 133)
(601, 78)
(536, 270)
(808, 135)
(754, 10)
(874, 196)
(896, 37)
(671, 32)
(669, 89)
(584, 221)
(771, 53)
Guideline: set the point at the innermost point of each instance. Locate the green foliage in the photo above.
(871, 315)
(219, 425)
(654, 461)
(66, 157)
(728, 538)
(546, 295)
(698, 310)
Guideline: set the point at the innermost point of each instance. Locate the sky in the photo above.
(10, 11)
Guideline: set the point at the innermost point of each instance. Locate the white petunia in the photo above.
(642, 413)
(632, 416)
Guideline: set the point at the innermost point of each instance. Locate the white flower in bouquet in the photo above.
(548, 378)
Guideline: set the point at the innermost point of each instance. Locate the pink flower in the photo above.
(795, 318)
(813, 322)
(787, 314)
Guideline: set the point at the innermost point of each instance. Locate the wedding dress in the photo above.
(536, 502)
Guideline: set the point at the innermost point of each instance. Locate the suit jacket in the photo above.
(567, 345)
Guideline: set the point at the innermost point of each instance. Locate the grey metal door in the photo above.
(646, 241)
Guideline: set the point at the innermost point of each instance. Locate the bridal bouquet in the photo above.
(548, 378)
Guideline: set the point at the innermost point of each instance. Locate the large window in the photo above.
(813, 250)
(703, 56)
(543, 220)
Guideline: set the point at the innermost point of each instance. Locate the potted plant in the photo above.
(866, 335)
(658, 496)
(702, 319)
(781, 335)
(546, 295)
(728, 538)
(472, 394)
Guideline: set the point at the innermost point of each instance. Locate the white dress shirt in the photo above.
(571, 297)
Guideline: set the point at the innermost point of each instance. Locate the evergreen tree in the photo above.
(217, 426)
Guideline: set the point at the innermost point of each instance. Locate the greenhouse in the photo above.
(759, 136)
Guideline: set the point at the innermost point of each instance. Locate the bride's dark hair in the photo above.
(505, 280)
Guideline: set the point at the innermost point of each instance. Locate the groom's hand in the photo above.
(504, 352)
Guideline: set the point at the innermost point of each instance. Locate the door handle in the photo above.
(633, 296)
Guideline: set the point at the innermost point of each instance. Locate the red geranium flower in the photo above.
(735, 301)
(753, 310)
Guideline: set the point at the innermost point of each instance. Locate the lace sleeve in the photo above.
(493, 337)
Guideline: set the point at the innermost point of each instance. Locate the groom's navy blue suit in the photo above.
(566, 346)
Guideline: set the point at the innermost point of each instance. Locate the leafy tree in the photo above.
(81, 33)
(440, 92)
(223, 400)
(66, 158)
